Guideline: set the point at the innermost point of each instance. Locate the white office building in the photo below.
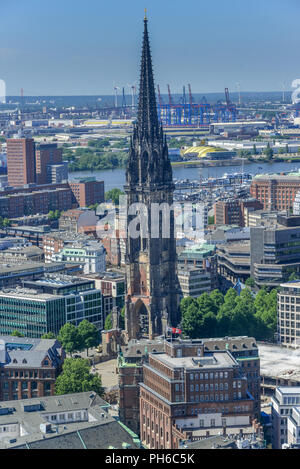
(285, 419)
(91, 255)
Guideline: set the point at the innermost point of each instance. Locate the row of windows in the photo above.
(219, 375)
(210, 387)
(25, 374)
(213, 397)
(68, 416)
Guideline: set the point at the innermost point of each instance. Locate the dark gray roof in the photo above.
(139, 348)
(234, 343)
(37, 351)
(96, 437)
(99, 430)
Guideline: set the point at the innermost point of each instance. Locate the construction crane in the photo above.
(183, 96)
(227, 99)
(123, 98)
(190, 95)
(159, 96)
(239, 92)
(170, 96)
(133, 89)
(116, 88)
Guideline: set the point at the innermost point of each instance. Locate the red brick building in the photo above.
(276, 192)
(37, 199)
(45, 155)
(231, 211)
(28, 367)
(88, 192)
(20, 161)
(188, 392)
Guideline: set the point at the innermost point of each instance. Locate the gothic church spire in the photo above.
(148, 124)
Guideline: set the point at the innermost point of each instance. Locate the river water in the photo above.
(116, 177)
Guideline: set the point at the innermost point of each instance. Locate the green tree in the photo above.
(48, 335)
(88, 335)
(209, 325)
(93, 207)
(108, 323)
(191, 321)
(206, 304)
(218, 298)
(114, 195)
(224, 315)
(54, 214)
(6, 222)
(69, 338)
(268, 152)
(250, 282)
(211, 220)
(266, 312)
(242, 320)
(76, 377)
(293, 276)
(185, 303)
(16, 333)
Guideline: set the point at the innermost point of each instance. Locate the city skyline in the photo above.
(65, 49)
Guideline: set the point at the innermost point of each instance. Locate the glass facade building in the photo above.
(48, 304)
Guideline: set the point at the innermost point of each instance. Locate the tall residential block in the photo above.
(46, 155)
(21, 161)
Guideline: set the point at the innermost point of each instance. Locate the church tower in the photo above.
(151, 302)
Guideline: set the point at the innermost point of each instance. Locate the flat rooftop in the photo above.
(279, 362)
(289, 390)
(60, 280)
(5, 268)
(281, 177)
(210, 360)
(292, 284)
(26, 293)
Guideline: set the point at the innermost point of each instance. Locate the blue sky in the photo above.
(66, 47)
